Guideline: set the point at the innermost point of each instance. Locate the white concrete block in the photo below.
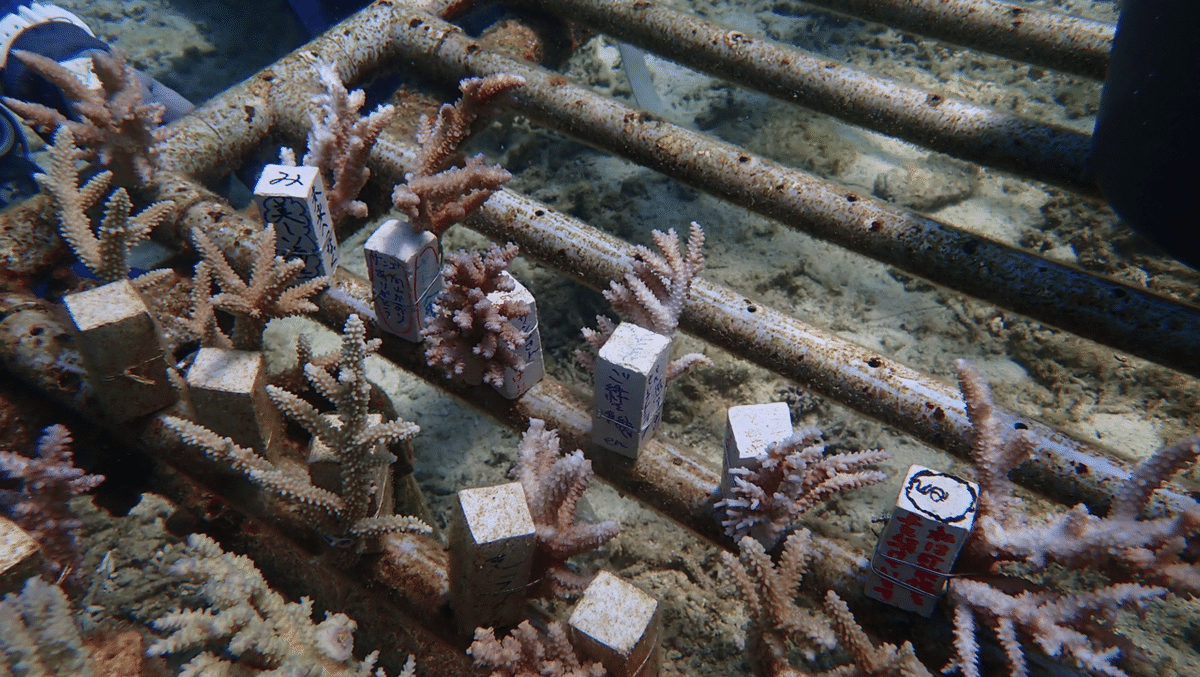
(293, 200)
(749, 430)
(492, 541)
(516, 383)
(930, 523)
(228, 392)
(630, 379)
(618, 625)
(405, 268)
(121, 350)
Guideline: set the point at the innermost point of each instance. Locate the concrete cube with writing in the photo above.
(517, 382)
(293, 200)
(749, 430)
(929, 525)
(228, 391)
(121, 350)
(618, 624)
(492, 540)
(405, 267)
(630, 379)
(20, 557)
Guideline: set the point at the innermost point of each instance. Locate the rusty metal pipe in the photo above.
(984, 135)
(1115, 314)
(1060, 41)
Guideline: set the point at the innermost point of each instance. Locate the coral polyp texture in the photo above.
(1140, 558)
(269, 293)
(470, 332)
(525, 653)
(246, 628)
(434, 195)
(116, 126)
(48, 483)
(790, 478)
(553, 485)
(359, 511)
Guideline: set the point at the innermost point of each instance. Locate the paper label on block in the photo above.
(630, 380)
(293, 200)
(517, 382)
(405, 268)
(933, 516)
(749, 431)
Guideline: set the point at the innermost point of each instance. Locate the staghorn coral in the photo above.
(106, 251)
(789, 479)
(469, 331)
(357, 512)
(269, 292)
(553, 485)
(246, 628)
(886, 660)
(434, 197)
(116, 126)
(524, 654)
(1130, 552)
(769, 591)
(340, 141)
(652, 296)
(39, 634)
(41, 507)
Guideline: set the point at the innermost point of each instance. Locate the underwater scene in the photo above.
(867, 375)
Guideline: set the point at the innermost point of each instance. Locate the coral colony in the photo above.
(331, 466)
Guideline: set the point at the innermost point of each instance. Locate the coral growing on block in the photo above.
(359, 511)
(469, 331)
(268, 294)
(788, 480)
(434, 197)
(553, 485)
(340, 140)
(526, 654)
(49, 481)
(105, 251)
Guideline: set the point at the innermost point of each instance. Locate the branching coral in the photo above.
(468, 330)
(106, 251)
(358, 512)
(268, 294)
(1129, 551)
(524, 654)
(652, 295)
(553, 485)
(116, 126)
(769, 591)
(41, 507)
(434, 197)
(39, 634)
(246, 623)
(340, 140)
(790, 478)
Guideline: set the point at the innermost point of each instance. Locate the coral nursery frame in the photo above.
(278, 100)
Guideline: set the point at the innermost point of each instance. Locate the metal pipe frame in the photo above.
(1060, 41)
(986, 136)
(1107, 311)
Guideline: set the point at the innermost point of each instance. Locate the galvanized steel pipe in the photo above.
(987, 136)
(1051, 39)
(1107, 311)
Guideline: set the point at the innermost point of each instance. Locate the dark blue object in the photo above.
(1146, 147)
